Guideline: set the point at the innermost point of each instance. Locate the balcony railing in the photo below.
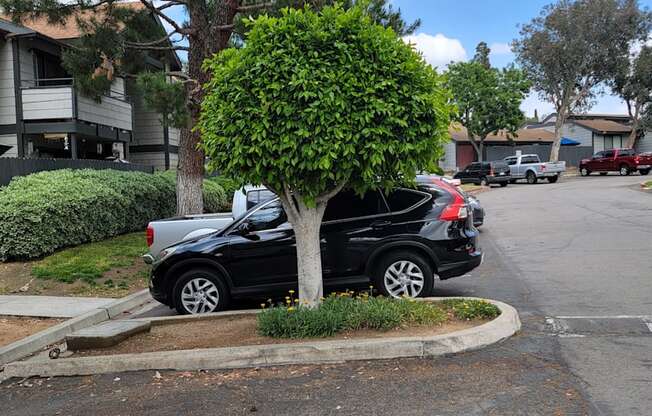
(56, 98)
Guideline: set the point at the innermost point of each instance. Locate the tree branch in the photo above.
(175, 25)
(170, 3)
(328, 195)
(254, 7)
(287, 194)
(154, 42)
(159, 48)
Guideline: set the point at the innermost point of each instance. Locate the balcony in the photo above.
(55, 99)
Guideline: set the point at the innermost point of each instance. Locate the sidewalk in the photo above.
(49, 306)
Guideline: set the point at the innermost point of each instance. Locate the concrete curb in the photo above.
(35, 342)
(319, 352)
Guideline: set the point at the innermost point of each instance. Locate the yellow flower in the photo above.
(287, 297)
(287, 301)
(262, 305)
(291, 291)
(290, 309)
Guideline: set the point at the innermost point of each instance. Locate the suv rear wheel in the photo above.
(624, 170)
(200, 291)
(404, 274)
(531, 177)
(484, 181)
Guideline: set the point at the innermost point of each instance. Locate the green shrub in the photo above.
(468, 309)
(343, 312)
(46, 211)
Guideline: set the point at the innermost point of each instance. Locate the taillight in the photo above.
(543, 167)
(150, 235)
(456, 210)
(491, 171)
(637, 160)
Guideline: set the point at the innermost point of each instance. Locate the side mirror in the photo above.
(244, 228)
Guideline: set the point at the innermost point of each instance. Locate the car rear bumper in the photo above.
(449, 270)
(499, 178)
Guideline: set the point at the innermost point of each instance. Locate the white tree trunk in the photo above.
(311, 287)
(556, 144)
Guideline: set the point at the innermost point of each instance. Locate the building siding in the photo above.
(644, 144)
(47, 103)
(9, 140)
(110, 111)
(7, 97)
(449, 161)
(156, 159)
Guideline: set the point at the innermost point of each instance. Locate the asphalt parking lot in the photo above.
(572, 257)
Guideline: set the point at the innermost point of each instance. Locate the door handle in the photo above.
(377, 225)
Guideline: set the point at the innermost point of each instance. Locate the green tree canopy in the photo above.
(487, 99)
(315, 102)
(633, 83)
(573, 47)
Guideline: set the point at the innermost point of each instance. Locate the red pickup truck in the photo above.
(624, 161)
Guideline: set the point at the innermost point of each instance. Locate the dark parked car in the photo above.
(485, 173)
(624, 161)
(399, 242)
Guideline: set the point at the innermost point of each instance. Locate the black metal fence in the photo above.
(572, 155)
(11, 167)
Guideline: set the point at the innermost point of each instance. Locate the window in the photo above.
(257, 196)
(473, 167)
(347, 204)
(268, 217)
(402, 199)
(626, 152)
(608, 142)
(598, 155)
(530, 159)
(608, 153)
(510, 161)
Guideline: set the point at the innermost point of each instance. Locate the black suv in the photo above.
(485, 173)
(398, 242)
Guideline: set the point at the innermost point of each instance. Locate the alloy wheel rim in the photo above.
(585, 172)
(200, 295)
(404, 278)
(623, 171)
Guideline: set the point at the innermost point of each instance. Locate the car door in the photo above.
(263, 250)
(352, 224)
(594, 163)
(473, 173)
(607, 162)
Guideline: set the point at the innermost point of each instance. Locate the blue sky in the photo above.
(450, 30)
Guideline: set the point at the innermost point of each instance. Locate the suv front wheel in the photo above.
(200, 291)
(404, 274)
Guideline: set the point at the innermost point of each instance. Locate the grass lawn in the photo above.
(109, 268)
(467, 187)
(647, 184)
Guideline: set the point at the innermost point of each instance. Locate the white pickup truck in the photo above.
(531, 168)
(166, 232)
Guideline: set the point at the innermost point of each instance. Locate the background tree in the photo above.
(481, 56)
(487, 99)
(633, 83)
(316, 102)
(573, 47)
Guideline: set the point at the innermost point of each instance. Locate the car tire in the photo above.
(397, 269)
(603, 173)
(531, 177)
(484, 181)
(504, 184)
(585, 172)
(644, 171)
(201, 287)
(623, 170)
(553, 179)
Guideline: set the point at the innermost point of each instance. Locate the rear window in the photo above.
(256, 197)
(402, 199)
(499, 165)
(529, 159)
(347, 204)
(511, 161)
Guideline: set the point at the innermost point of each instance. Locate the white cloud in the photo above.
(438, 50)
(498, 48)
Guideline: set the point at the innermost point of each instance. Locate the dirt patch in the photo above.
(237, 331)
(16, 278)
(15, 328)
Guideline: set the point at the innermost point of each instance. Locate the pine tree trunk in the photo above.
(207, 38)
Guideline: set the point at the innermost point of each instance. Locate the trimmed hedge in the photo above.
(46, 211)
